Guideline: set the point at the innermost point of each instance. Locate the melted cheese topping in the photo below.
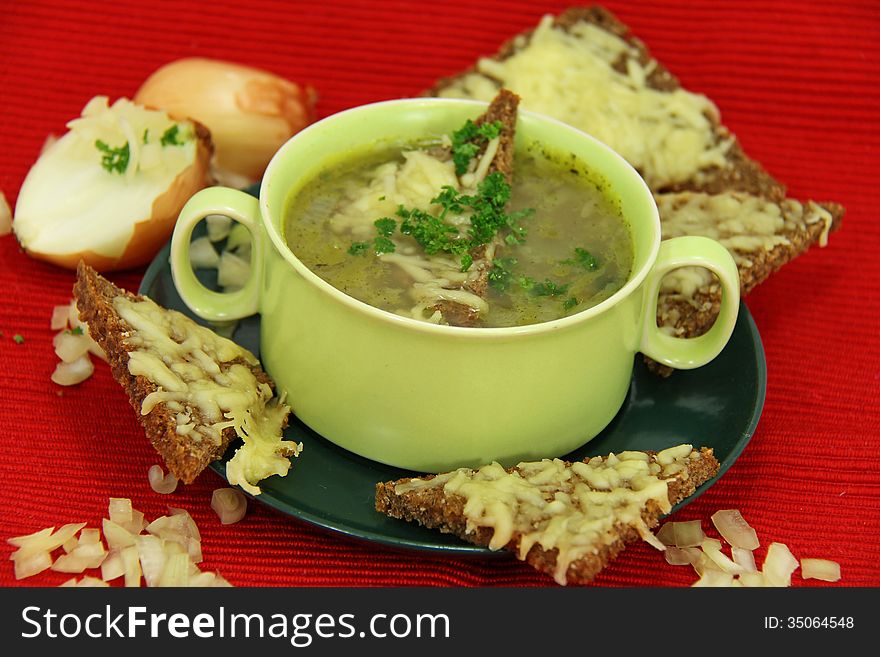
(208, 384)
(593, 80)
(746, 225)
(572, 508)
(412, 183)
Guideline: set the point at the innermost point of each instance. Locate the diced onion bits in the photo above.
(249, 112)
(823, 569)
(160, 482)
(119, 179)
(73, 346)
(230, 505)
(715, 568)
(735, 530)
(166, 556)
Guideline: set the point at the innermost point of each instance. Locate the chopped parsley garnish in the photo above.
(549, 289)
(76, 331)
(18, 338)
(570, 303)
(358, 248)
(583, 258)
(146, 135)
(386, 226)
(382, 245)
(466, 261)
(172, 136)
(113, 159)
(463, 147)
(501, 273)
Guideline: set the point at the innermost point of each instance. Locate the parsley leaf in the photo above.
(113, 159)
(583, 258)
(570, 303)
(358, 248)
(549, 289)
(383, 244)
(172, 136)
(501, 273)
(463, 148)
(386, 226)
(466, 261)
(18, 338)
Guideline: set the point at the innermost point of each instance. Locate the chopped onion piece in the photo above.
(120, 510)
(779, 564)
(202, 254)
(70, 346)
(77, 371)
(42, 535)
(32, 563)
(5, 215)
(666, 535)
(230, 505)
(219, 226)
(160, 482)
(176, 571)
(152, 557)
(112, 567)
(712, 549)
(754, 580)
(73, 317)
(118, 537)
(688, 534)
(823, 569)
(714, 578)
(59, 317)
(69, 583)
(44, 540)
(179, 528)
(86, 555)
(131, 565)
(90, 535)
(745, 559)
(676, 556)
(91, 582)
(735, 530)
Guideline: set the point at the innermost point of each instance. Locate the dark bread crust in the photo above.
(183, 456)
(433, 509)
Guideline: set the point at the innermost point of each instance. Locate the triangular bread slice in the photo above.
(586, 68)
(503, 110)
(193, 391)
(568, 520)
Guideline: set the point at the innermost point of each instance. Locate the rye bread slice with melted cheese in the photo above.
(192, 390)
(586, 68)
(568, 520)
(503, 111)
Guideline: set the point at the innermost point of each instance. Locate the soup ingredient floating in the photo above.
(565, 519)
(194, 391)
(249, 112)
(109, 191)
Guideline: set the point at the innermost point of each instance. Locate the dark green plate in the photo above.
(715, 406)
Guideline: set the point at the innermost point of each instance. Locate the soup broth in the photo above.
(568, 250)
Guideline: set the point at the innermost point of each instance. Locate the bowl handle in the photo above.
(688, 353)
(205, 303)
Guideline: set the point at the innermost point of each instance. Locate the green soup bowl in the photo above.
(432, 397)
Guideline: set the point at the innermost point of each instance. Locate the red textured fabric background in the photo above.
(796, 81)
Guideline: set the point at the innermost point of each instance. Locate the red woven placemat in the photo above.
(795, 81)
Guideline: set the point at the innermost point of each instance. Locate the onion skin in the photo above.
(150, 234)
(249, 112)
